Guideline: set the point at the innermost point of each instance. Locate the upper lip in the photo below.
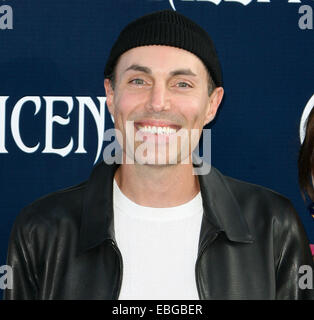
(157, 123)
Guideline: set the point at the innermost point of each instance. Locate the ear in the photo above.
(213, 104)
(109, 95)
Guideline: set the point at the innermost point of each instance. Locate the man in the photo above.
(149, 228)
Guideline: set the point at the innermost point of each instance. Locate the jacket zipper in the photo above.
(197, 271)
(116, 249)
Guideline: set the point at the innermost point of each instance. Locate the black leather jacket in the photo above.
(251, 245)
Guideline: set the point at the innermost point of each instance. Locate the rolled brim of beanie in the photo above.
(167, 34)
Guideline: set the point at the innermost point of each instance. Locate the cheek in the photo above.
(123, 106)
(193, 110)
(126, 103)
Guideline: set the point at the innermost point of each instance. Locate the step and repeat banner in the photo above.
(53, 107)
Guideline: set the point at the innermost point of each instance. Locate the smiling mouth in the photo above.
(158, 130)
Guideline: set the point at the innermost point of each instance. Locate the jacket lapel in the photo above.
(221, 209)
(97, 211)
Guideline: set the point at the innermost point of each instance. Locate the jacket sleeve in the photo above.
(20, 259)
(294, 252)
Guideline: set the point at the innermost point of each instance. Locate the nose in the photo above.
(158, 99)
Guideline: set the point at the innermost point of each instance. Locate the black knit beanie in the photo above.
(168, 28)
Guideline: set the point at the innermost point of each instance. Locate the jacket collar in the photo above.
(221, 209)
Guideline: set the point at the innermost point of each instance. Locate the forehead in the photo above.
(163, 59)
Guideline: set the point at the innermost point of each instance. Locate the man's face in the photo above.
(161, 93)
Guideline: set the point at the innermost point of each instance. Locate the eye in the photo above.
(137, 81)
(183, 84)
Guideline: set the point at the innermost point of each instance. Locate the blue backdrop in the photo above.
(59, 48)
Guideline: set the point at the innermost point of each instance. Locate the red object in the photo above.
(312, 248)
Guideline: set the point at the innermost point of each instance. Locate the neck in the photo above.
(158, 186)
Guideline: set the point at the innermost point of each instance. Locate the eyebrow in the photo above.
(137, 67)
(184, 72)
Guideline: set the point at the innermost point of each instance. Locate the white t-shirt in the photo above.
(159, 248)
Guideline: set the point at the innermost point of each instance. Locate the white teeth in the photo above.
(158, 130)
